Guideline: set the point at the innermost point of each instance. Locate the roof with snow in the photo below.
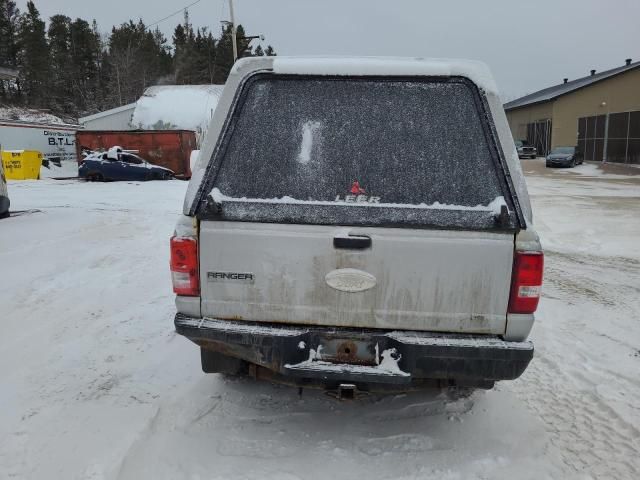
(184, 107)
(556, 91)
(106, 113)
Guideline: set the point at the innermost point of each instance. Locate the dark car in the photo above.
(564, 157)
(117, 164)
(525, 150)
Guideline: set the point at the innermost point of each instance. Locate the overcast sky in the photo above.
(528, 45)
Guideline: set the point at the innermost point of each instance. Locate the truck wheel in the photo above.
(214, 362)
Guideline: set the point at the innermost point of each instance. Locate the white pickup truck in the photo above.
(359, 223)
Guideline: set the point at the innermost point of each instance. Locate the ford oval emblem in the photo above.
(350, 280)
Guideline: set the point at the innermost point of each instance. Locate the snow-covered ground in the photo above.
(66, 169)
(95, 384)
(29, 115)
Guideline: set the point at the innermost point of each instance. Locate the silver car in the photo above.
(525, 150)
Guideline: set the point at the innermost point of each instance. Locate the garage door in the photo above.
(618, 142)
(539, 135)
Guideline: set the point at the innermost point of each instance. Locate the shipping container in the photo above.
(56, 142)
(167, 148)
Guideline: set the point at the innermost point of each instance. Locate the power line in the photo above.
(174, 13)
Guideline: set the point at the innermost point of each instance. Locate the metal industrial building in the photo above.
(118, 118)
(599, 113)
(163, 107)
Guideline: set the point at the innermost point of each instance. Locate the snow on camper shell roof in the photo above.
(475, 71)
(556, 91)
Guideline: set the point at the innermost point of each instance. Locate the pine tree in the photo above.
(85, 55)
(71, 68)
(183, 41)
(124, 47)
(244, 47)
(101, 98)
(33, 57)
(270, 52)
(61, 69)
(204, 55)
(137, 58)
(9, 15)
(195, 54)
(224, 53)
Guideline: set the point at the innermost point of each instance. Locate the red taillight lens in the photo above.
(526, 282)
(184, 266)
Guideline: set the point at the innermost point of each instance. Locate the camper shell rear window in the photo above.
(370, 151)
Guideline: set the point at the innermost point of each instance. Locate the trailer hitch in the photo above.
(347, 391)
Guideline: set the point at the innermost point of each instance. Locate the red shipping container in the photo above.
(167, 148)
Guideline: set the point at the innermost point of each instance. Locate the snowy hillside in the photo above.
(29, 115)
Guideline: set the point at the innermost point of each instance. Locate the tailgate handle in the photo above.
(355, 242)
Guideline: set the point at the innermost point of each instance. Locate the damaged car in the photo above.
(118, 164)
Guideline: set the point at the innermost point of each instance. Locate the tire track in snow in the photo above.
(590, 437)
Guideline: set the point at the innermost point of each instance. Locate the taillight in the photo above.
(184, 266)
(526, 282)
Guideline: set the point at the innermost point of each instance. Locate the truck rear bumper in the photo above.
(330, 355)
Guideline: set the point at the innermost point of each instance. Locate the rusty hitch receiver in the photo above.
(346, 391)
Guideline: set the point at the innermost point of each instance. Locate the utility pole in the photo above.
(233, 32)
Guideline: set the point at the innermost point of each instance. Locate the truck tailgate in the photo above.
(432, 280)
